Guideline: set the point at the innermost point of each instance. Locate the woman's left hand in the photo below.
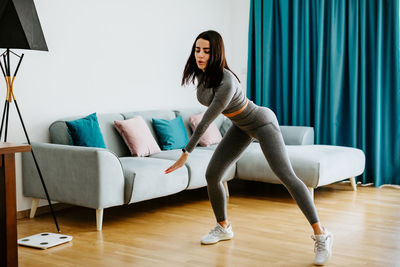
(179, 163)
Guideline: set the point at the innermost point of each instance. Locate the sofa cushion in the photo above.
(171, 133)
(211, 136)
(137, 136)
(145, 178)
(315, 165)
(196, 164)
(187, 112)
(148, 116)
(86, 132)
(211, 147)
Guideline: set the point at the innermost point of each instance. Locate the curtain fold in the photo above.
(333, 65)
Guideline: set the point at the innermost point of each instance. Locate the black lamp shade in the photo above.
(20, 26)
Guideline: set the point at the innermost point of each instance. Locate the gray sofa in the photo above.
(100, 178)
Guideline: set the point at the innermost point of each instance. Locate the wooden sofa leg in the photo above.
(225, 183)
(35, 203)
(311, 192)
(353, 183)
(99, 219)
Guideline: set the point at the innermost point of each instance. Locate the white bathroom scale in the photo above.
(44, 240)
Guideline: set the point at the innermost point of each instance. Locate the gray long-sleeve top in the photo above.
(228, 97)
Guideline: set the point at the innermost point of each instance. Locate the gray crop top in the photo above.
(226, 98)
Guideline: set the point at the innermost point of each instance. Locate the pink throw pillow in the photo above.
(212, 134)
(137, 137)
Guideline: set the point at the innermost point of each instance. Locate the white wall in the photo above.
(238, 45)
(116, 56)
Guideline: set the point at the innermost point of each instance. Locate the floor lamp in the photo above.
(19, 29)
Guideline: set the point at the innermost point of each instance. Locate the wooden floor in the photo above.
(269, 230)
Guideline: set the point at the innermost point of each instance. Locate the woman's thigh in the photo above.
(234, 142)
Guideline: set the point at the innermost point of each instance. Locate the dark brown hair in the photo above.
(216, 64)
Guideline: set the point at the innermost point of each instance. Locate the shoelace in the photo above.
(320, 245)
(214, 231)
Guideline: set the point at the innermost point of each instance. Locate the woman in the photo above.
(219, 89)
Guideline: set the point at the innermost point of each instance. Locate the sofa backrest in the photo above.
(59, 134)
(166, 114)
(297, 135)
(113, 140)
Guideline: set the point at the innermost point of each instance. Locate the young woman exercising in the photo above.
(220, 90)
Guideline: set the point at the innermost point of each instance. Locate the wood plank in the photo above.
(8, 205)
(8, 212)
(11, 209)
(42, 210)
(269, 230)
(10, 148)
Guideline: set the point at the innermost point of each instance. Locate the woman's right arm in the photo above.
(222, 97)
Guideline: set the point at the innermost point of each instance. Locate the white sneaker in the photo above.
(217, 234)
(323, 247)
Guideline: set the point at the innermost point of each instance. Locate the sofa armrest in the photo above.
(89, 177)
(298, 135)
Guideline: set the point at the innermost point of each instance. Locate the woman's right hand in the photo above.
(179, 163)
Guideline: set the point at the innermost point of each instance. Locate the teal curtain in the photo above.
(333, 65)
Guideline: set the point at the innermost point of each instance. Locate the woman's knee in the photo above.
(212, 176)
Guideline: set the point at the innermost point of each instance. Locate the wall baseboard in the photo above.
(42, 210)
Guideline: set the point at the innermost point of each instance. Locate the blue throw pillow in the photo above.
(171, 133)
(86, 132)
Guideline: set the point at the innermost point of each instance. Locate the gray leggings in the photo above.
(234, 142)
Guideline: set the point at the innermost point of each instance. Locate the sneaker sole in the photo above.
(222, 239)
(330, 253)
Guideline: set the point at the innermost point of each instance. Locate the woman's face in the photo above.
(202, 53)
